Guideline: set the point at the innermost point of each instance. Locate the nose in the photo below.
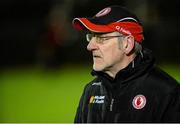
(92, 45)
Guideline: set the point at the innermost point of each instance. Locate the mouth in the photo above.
(96, 56)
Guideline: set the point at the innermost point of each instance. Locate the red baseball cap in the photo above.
(110, 19)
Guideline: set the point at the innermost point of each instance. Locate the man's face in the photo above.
(107, 55)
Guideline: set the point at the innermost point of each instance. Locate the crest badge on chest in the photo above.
(139, 101)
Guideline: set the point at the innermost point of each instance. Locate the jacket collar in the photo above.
(138, 66)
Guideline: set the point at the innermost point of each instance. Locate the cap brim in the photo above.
(85, 24)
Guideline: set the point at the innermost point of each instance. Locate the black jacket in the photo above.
(143, 93)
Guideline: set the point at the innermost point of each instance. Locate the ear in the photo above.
(129, 44)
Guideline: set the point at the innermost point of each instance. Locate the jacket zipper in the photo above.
(111, 105)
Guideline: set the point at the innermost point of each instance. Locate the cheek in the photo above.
(111, 52)
(111, 55)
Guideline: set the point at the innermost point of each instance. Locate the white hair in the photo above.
(137, 46)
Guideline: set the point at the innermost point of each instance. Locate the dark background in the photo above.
(39, 32)
(44, 64)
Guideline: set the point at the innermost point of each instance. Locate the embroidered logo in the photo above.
(97, 99)
(120, 29)
(139, 101)
(103, 12)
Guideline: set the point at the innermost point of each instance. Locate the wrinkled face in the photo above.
(106, 51)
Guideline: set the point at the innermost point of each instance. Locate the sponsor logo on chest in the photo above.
(97, 99)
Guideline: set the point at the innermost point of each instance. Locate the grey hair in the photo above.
(137, 46)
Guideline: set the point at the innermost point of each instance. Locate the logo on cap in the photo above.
(120, 29)
(139, 101)
(103, 12)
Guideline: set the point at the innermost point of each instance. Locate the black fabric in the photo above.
(116, 13)
(161, 91)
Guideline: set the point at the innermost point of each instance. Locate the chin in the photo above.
(98, 67)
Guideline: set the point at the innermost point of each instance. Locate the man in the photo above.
(128, 87)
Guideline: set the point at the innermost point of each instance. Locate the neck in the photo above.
(112, 71)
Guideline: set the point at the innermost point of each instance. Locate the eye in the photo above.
(100, 39)
(105, 38)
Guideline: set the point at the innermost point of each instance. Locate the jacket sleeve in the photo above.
(81, 113)
(172, 112)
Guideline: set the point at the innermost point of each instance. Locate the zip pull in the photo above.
(111, 105)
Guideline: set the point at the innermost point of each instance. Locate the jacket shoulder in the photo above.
(162, 80)
(94, 82)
